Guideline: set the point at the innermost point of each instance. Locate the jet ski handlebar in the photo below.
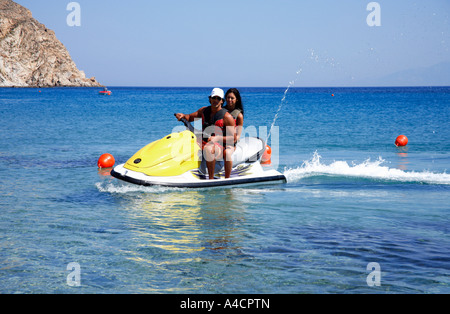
(191, 128)
(187, 124)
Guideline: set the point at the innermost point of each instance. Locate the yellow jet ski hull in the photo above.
(176, 161)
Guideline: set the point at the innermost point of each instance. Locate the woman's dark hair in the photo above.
(239, 104)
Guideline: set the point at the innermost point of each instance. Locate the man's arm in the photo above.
(190, 117)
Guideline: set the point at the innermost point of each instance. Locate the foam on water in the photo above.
(366, 170)
(118, 187)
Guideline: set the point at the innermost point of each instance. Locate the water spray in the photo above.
(283, 100)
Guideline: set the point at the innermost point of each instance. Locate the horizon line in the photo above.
(291, 87)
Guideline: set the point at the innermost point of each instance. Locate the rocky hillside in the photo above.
(31, 55)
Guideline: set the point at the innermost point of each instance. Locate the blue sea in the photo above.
(357, 214)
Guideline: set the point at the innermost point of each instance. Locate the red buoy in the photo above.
(106, 161)
(267, 155)
(401, 141)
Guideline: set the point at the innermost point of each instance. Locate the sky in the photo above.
(255, 43)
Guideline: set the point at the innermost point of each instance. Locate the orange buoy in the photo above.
(266, 157)
(401, 140)
(106, 161)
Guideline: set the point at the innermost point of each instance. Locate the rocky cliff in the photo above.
(31, 55)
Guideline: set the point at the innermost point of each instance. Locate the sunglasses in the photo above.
(216, 98)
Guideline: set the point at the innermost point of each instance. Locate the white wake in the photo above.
(367, 170)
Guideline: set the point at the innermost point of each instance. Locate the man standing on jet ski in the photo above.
(218, 128)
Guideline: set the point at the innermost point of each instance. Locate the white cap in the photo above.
(217, 92)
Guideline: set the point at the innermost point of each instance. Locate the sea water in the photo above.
(352, 197)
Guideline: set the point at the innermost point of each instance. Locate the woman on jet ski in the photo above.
(236, 109)
(218, 128)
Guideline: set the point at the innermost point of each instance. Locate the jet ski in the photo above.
(176, 161)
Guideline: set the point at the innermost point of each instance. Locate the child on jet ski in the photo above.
(218, 128)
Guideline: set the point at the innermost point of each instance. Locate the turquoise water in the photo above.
(352, 197)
